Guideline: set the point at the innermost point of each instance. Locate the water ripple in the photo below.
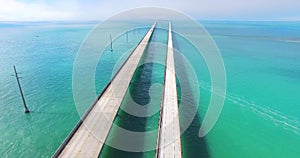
(277, 117)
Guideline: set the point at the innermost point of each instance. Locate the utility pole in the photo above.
(127, 35)
(111, 45)
(26, 110)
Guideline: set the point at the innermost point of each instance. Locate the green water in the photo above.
(44, 53)
(260, 117)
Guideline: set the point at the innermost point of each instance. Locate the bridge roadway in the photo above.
(169, 143)
(89, 135)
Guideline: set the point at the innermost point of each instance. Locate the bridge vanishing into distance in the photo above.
(85, 139)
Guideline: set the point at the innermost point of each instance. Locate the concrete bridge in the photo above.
(85, 142)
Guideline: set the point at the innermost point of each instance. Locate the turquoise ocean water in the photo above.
(260, 118)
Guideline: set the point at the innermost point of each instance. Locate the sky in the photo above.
(47, 10)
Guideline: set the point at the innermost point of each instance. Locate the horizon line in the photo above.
(100, 20)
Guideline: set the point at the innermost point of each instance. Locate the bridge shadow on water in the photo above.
(192, 144)
(139, 92)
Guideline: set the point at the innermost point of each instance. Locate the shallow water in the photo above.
(260, 117)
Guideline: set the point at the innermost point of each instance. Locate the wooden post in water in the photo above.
(127, 36)
(26, 110)
(111, 46)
